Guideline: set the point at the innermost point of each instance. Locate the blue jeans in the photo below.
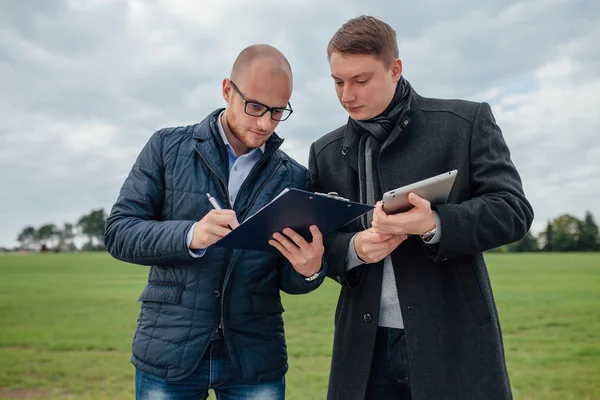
(214, 371)
(388, 379)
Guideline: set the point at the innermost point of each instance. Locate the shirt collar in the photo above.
(226, 141)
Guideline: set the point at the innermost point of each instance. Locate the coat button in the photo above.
(367, 317)
(216, 292)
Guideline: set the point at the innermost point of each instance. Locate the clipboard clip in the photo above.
(333, 195)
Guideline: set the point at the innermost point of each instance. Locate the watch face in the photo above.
(428, 235)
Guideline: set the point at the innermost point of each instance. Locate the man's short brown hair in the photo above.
(365, 35)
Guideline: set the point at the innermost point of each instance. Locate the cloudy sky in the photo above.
(83, 85)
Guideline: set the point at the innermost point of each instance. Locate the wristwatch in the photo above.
(427, 236)
(313, 277)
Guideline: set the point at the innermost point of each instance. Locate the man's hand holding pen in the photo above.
(216, 224)
(211, 228)
(306, 257)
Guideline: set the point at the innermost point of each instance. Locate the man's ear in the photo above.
(226, 89)
(396, 70)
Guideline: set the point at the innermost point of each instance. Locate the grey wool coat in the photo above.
(453, 335)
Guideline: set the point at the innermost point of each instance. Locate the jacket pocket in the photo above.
(473, 292)
(265, 304)
(162, 292)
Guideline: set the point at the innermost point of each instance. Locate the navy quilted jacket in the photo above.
(186, 298)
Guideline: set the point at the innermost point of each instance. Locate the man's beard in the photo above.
(238, 132)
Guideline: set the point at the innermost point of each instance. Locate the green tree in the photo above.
(565, 236)
(527, 244)
(92, 225)
(588, 234)
(47, 233)
(548, 237)
(65, 238)
(28, 238)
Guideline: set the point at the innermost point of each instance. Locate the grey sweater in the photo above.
(390, 314)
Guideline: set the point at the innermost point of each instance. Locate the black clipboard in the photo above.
(296, 209)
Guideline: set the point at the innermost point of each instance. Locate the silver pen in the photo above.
(214, 202)
(215, 205)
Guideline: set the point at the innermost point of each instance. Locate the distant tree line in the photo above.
(563, 234)
(50, 237)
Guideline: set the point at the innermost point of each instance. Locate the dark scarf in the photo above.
(374, 133)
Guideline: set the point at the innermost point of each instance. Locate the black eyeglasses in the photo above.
(258, 109)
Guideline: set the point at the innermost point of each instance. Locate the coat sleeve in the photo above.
(134, 232)
(497, 212)
(335, 243)
(292, 282)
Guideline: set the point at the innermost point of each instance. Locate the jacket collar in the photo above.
(351, 137)
(212, 148)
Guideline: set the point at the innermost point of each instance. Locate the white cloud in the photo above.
(85, 84)
(554, 132)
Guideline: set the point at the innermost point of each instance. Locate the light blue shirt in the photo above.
(239, 169)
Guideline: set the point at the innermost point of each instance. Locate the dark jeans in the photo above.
(388, 379)
(214, 371)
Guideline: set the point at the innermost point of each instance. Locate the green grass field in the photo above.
(67, 320)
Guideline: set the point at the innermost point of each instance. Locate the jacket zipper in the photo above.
(228, 272)
(225, 188)
(260, 189)
(223, 185)
(246, 213)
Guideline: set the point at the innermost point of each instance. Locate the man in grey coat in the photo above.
(416, 317)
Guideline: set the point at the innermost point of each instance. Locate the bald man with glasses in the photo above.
(211, 317)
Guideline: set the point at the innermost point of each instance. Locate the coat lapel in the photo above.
(350, 147)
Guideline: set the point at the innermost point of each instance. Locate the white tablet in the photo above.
(435, 190)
